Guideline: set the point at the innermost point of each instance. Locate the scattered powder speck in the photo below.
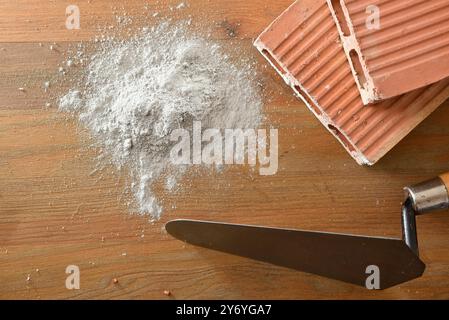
(135, 92)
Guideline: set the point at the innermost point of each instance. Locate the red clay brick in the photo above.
(304, 46)
(406, 50)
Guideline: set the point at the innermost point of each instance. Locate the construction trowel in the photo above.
(349, 258)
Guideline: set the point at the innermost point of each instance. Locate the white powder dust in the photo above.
(137, 91)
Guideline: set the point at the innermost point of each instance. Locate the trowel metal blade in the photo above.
(337, 256)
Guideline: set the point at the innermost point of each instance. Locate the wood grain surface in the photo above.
(56, 210)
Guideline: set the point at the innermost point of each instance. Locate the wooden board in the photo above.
(56, 211)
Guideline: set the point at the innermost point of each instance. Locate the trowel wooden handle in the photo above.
(431, 195)
(445, 178)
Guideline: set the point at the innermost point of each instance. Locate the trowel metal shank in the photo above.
(426, 197)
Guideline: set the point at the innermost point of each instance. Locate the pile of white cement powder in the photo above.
(137, 91)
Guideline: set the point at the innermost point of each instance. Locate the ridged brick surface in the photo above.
(304, 46)
(408, 50)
